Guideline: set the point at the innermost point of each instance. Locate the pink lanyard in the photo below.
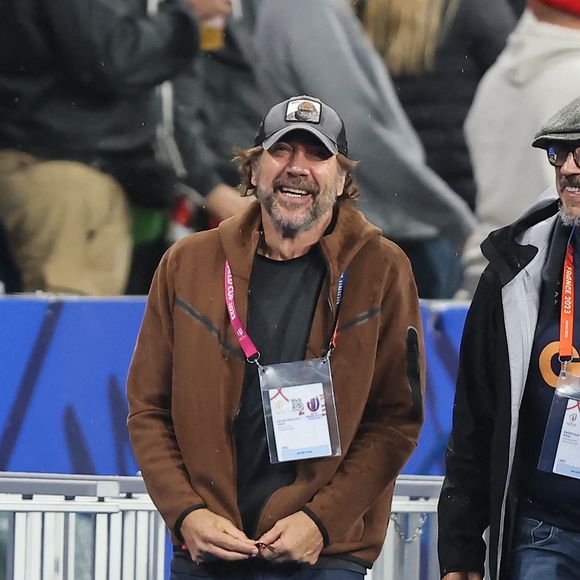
(567, 306)
(249, 348)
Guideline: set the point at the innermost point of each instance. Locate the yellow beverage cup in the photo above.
(212, 34)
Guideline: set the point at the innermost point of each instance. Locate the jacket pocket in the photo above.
(532, 532)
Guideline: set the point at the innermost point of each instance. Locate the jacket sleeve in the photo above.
(331, 58)
(149, 395)
(200, 162)
(118, 49)
(392, 419)
(463, 510)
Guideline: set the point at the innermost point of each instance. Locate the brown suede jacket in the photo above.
(185, 382)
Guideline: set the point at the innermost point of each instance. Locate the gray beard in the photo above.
(566, 219)
(323, 202)
(289, 229)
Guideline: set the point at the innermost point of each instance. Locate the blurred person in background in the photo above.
(225, 116)
(518, 6)
(537, 74)
(78, 118)
(216, 108)
(276, 48)
(509, 468)
(436, 52)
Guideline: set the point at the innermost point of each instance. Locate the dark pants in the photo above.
(273, 575)
(267, 572)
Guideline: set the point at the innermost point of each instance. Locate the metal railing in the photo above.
(71, 527)
(74, 527)
(410, 548)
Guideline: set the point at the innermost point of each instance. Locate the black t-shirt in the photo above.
(543, 495)
(281, 303)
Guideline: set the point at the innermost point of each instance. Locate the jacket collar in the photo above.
(512, 248)
(240, 235)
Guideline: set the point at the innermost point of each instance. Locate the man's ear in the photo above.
(253, 173)
(341, 182)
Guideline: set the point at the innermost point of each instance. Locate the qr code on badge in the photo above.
(297, 405)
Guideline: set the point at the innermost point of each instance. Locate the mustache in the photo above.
(569, 181)
(297, 183)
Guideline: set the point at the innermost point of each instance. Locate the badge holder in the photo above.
(299, 410)
(297, 397)
(561, 446)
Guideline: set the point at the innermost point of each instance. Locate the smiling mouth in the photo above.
(294, 192)
(571, 189)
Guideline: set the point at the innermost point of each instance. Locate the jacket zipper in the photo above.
(233, 433)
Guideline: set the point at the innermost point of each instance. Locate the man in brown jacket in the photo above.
(262, 464)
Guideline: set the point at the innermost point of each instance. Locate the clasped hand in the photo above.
(295, 538)
(209, 537)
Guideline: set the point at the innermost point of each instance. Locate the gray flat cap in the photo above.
(563, 126)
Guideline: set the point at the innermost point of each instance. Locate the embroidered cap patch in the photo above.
(303, 111)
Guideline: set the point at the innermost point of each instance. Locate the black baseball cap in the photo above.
(307, 114)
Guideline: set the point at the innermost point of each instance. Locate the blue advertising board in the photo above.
(64, 363)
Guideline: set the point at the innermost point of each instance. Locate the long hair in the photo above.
(406, 33)
(246, 158)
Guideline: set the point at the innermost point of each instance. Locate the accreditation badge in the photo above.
(561, 446)
(299, 410)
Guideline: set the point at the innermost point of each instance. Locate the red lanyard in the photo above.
(567, 306)
(249, 348)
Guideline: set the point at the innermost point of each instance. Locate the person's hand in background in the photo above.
(206, 9)
(224, 201)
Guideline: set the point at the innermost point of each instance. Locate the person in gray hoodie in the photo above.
(535, 76)
(320, 48)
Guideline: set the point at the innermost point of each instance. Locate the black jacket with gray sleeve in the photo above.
(481, 483)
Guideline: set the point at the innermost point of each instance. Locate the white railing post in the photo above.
(19, 554)
(115, 545)
(128, 545)
(101, 557)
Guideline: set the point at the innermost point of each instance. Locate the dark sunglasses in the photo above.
(557, 154)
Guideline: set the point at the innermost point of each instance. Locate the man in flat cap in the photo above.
(513, 460)
(263, 463)
(536, 75)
